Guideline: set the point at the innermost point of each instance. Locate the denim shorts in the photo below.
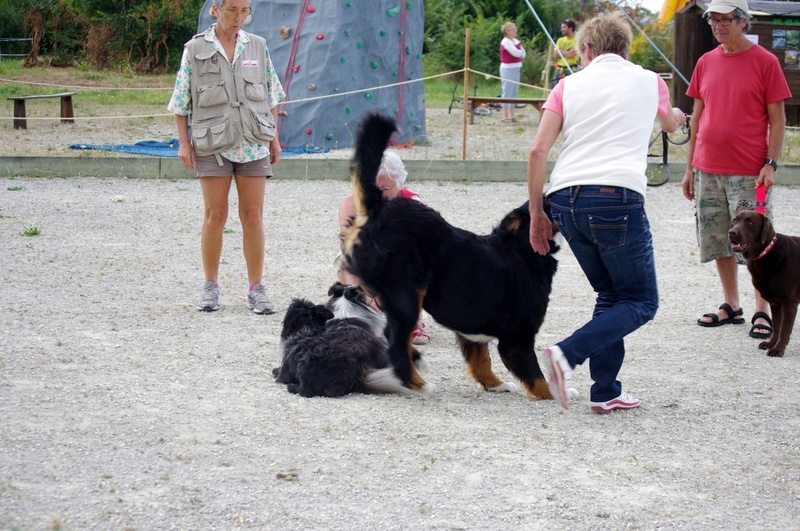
(718, 198)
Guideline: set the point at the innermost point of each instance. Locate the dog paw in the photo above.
(427, 389)
(766, 345)
(505, 387)
(573, 394)
(775, 353)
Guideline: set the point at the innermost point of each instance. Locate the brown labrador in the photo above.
(774, 264)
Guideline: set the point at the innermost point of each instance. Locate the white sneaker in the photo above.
(623, 401)
(258, 301)
(559, 374)
(209, 299)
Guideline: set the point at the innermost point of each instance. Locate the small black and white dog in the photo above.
(335, 349)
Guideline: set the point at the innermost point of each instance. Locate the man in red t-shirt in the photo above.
(737, 126)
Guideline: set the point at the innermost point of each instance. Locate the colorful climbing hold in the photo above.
(311, 9)
(393, 12)
(296, 68)
(367, 96)
(320, 36)
(373, 65)
(308, 131)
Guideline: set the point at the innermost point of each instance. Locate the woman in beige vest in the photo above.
(228, 86)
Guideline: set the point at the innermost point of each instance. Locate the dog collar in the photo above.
(767, 249)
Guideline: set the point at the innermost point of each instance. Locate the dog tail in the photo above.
(376, 130)
(384, 381)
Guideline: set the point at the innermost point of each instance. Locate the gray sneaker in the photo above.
(209, 300)
(258, 301)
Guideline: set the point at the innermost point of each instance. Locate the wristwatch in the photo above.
(771, 163)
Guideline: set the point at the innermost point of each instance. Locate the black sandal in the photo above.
(733, 317)
(761, 335)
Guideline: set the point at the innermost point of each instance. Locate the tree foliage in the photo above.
(147, 36)
(446, 22)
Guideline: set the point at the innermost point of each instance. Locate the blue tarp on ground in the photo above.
(170, 148)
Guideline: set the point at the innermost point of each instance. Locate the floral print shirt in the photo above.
(181, 101)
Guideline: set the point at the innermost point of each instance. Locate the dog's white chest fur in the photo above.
(476, 338)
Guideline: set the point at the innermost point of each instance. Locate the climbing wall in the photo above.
(336, 60)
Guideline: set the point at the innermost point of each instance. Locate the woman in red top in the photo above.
(511, 55)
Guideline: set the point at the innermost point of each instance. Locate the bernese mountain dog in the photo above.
(483, 287)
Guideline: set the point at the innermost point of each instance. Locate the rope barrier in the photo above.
(81, 87)
(509, 80)
(289, 102)
(359, 91)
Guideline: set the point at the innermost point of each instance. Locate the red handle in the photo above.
(761, 199)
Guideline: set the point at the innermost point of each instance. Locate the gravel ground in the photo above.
(124, 408)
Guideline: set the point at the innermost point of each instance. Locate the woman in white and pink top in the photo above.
(511, 55)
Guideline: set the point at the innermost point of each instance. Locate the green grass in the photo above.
(31, 230)
(134, 90)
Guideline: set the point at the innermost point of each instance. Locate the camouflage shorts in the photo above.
(718, 199)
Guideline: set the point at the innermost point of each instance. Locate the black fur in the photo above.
(481, 287)
(335, 349)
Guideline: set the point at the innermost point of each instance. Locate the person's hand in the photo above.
(681, 117)
(766, 177)
(274, 150)
(688, 183)
(541, 232)
(186, 154)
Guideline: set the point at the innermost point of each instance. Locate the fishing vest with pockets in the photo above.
(229, 101)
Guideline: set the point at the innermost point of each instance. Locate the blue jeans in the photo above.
(607, 229)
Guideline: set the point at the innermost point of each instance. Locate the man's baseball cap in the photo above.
(726, 6)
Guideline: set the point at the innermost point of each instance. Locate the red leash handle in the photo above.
(761, 199)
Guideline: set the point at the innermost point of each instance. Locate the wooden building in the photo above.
(774, 25)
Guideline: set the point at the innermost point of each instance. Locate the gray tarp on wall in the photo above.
(337, 46)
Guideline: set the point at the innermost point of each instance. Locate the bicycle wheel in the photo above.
(657, 175)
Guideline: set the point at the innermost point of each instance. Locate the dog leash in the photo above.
(761, 199)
